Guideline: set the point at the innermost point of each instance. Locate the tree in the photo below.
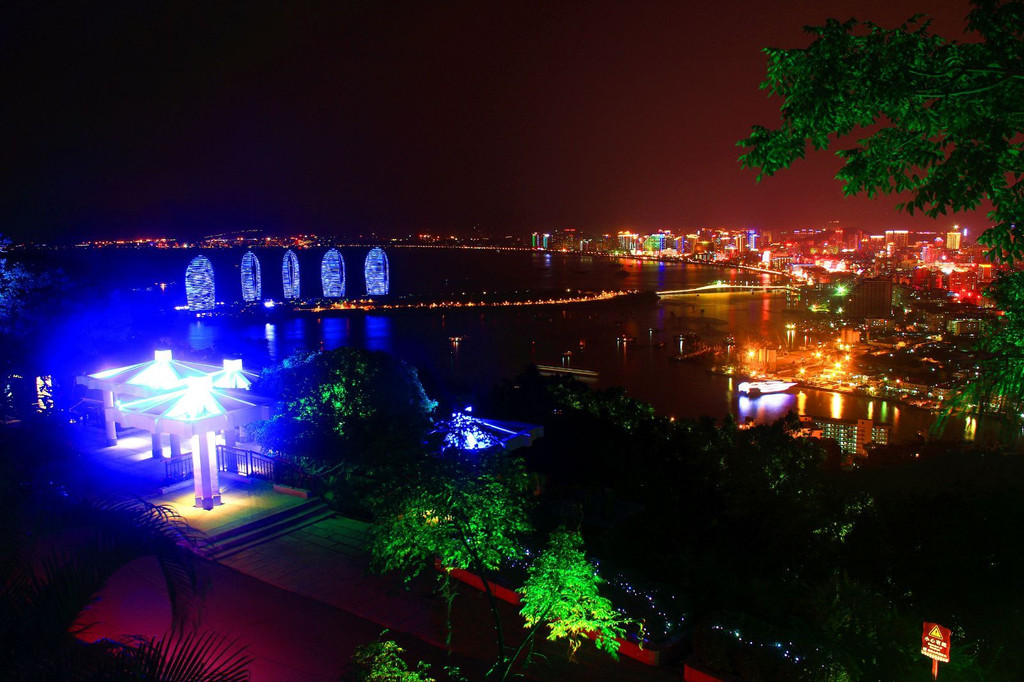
(562, 592)
(14, 283)
(343, 404)
(382, 661)
(998, 388)
(466, 513)
(943, 119)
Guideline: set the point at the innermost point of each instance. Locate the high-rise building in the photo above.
(199, 288)
(290, 275)
(252, 281)
(332, 274)
(628, 241)
(871, 298)
(375, 270)
(654, 243)
(953, 241)
(853, 436)
(898, 238)
(540, 240)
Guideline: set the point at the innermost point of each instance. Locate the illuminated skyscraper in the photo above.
(898, 237)
(376, 272)
(290, 275)
(953, 241)
(332, 274)
(252, 282)
(628, 241)
(199, 284)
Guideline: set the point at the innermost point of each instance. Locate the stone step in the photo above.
(266, 528)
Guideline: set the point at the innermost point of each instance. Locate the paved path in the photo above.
(305, 600)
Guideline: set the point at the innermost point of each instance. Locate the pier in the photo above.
(722, 286)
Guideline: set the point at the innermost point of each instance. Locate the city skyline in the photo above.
(393, 119)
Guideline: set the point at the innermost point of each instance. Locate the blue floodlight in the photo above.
(466, 433)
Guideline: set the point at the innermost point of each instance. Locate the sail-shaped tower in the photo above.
(332, 274)
(199, 291)
(290, 274)
(252, 282)
(376, 271)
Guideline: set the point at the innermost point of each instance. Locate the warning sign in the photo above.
(935, 642)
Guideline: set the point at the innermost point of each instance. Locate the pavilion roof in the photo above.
(196, 406)
(164, 373)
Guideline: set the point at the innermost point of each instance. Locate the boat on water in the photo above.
(755, 388)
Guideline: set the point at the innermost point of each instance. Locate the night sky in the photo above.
(185, 119)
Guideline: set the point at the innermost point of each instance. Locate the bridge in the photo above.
(722, 286)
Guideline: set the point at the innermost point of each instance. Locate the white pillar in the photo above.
(158, 446)
(204, 465)
(175, 445)
(108, 417)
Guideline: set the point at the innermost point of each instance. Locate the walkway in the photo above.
(305, 600)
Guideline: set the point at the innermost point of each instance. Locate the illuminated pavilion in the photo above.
(189, 400)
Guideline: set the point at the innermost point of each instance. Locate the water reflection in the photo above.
(270, 334)
(334, 332)
(201, 335)
(970, 428)
(294, 331)
(837, 406)
(378, 332)
(765, 408)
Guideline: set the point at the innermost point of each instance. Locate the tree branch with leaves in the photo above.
(942, 121)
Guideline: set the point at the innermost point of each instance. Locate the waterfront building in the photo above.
(290, 275)
(332, 274)
(628, 241)
(199, 287)
(540, 240)
(252, 281)
(853, 435)
(654, 243)
(375, 270)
